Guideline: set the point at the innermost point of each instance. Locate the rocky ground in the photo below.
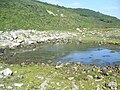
(70, 76)
(21, 38)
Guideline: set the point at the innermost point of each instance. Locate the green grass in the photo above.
(31, 14)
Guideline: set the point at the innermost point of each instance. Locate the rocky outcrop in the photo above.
(17, 38)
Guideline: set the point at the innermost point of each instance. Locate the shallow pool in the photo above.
(85, 53)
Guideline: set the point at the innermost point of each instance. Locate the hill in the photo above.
(32, 14)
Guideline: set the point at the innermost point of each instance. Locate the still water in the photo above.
(85, 53)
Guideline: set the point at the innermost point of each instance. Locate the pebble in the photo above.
(70, 78)
(18, 84)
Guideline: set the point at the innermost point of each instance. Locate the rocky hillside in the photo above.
(33, 14)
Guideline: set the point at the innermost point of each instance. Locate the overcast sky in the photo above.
(109, 7)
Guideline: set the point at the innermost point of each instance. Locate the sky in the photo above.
(109, 7)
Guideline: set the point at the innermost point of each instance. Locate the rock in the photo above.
(59, 66)
(2, 51)
(112, 85)
(89, 77)
(14, 45)
(98, 87)
(27, 37)
(2, 85)
(18, 84)
(74, 86)
(6, 73)
(70, 78)
(9, 87)
(40, 77)
(44, 85)
(105, 72)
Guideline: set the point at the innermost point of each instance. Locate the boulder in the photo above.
(18, 84)
(89, 77)
(6, 73)
(112, 85)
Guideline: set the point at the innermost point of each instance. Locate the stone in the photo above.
(7, 72)
(26, 37)
(89, 77)
(2, 85)
(112, 85)
(9, 87)
(70, 78)
(74, 86)
(105, 72)
(18, 84)
(44, 85)
(59, 66)
(40, 77)
(98, 87)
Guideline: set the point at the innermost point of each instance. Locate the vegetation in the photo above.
(68, 77)
(32, 14)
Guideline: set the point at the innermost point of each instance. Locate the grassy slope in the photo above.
(31, 14)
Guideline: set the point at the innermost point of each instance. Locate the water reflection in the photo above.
(86, 53)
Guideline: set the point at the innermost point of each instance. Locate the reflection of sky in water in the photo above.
(93, 56)
(86, 53)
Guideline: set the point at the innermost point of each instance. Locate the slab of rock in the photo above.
(70, 78)
(18, 84)
(6, 73)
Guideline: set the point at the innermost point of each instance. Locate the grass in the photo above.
(58, 77)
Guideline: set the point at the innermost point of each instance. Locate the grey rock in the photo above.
(112, 85)
(6, 73)
(105, 72)
(44, 85)
(74, 86)
(89, 77)
(9, 87)
(2, 85)
(71, 78)
(18, 84)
